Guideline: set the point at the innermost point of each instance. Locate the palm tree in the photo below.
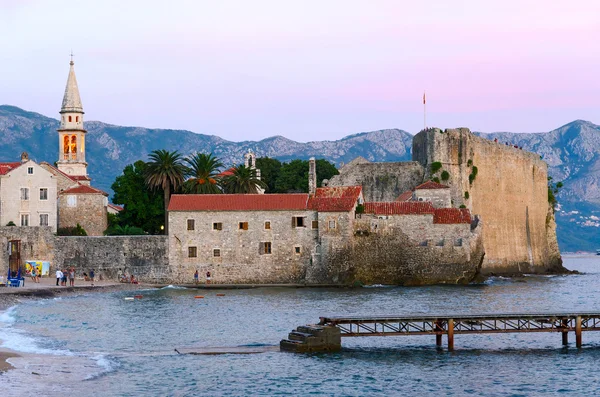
(165, 171)
(203, 169)
(244, 180)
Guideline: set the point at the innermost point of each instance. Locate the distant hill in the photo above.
(572, 152)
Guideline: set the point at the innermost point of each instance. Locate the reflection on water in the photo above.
(102, 344)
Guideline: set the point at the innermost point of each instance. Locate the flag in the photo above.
(423, 98)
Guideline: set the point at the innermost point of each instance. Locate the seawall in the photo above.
(146, 257)
(507, 187)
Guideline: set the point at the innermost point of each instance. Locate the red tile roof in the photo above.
(452, 216)
(74, 178)
(83, 189)
(400, 208)
(335, 199)
(238, 202)
(228, 172)
(339, 192)
(432, 185)
(116, 207)
(5, 168)
(406, 196)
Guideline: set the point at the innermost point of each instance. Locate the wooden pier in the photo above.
(307, 338)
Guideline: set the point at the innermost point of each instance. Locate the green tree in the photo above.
(118, 230)
(325, 170)
(269, 171)
(165, 171)
(293, 176)
(203, 171)
(244, 181)
(143, 208)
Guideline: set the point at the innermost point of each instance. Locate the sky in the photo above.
(307, 70)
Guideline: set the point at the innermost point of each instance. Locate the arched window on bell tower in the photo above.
(66, 147)
(73, 147)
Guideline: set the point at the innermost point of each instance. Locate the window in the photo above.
(265, 248)
(24, 219)
(77, 119)
(24, 193)
(298, 221)
(192, 252)
(297, 249)
(30, 170)
(243, 226)
(332, 224)
(217, 252)
(315, 224)
(43, 193)
(70, 119)
(43, 219)
(268, 225)
(190, 224)
(217, 226)
(71, 200)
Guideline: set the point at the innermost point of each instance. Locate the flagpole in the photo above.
(424, 112)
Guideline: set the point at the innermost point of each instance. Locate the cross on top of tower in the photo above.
(71, 63)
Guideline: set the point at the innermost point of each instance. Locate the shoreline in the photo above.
(5, 354)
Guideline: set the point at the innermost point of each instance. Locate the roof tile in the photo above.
(238, 202)
(450, 216)
(5, 168)
(83, 189)
(432, 185)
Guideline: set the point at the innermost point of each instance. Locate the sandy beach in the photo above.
(46, 289)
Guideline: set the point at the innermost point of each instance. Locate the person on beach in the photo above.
(207, 277)
(72, 277)
(92, 274)
(33, 274)
(64, 278)
(58, 276)
(196, 277)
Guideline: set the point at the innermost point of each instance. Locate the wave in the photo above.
(173, 287)
(106, 364)
(19, 340)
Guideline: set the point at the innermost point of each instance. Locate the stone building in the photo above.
(320, 239)
(27, 194)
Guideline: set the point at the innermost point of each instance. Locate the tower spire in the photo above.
(71, 100)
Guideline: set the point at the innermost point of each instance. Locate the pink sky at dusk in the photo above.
(307, 70)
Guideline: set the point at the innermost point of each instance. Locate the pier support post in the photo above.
(438, 337)
(578, 331)
(565, 333)
(450, 334)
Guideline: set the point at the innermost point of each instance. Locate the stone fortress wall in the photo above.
(508, 191)
(380, 181)
(143, 256)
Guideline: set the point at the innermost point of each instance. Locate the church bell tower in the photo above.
(71, 135)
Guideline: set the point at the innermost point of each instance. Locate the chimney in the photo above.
(312, 176)
(24, 157)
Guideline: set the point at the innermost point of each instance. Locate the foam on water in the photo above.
(173, 287)
(106, 364)
(18, 339)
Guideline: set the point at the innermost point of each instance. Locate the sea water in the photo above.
(101, 344)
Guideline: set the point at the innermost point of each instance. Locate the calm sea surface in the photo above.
(102, 344)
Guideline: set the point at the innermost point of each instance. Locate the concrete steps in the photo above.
(312, 338)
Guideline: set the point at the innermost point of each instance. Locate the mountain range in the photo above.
(571, 151)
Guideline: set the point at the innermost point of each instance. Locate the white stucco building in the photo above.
(27, 194)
